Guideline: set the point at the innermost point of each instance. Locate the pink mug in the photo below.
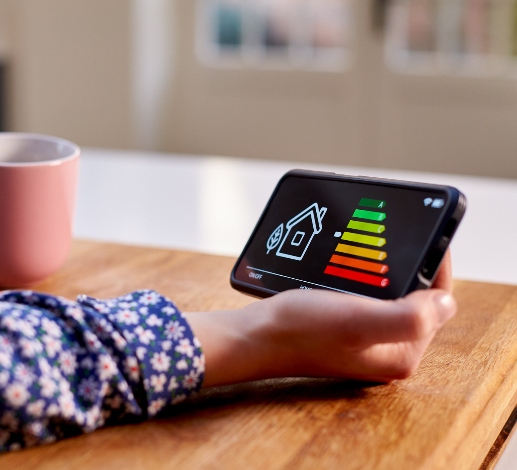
(38, 180)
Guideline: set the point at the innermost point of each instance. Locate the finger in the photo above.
(444, 277)
(408, 319)
(390, 361)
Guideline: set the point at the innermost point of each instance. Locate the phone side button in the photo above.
(433, 260)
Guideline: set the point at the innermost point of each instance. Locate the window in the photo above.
(473, 37)
(312, 34)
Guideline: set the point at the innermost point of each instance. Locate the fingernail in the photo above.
(446, 306)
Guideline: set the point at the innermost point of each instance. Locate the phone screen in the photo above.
(364, 238)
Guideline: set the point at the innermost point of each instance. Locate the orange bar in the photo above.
(362, 252)
(360, 264)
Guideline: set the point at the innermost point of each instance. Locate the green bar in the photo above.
(370, 215)
(372, 203)
(366, 226)
(363, 239)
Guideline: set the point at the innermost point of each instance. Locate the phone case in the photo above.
(428, 264)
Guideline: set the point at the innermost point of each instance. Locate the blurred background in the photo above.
(412, 84)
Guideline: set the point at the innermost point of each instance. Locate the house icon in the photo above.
(300, 231)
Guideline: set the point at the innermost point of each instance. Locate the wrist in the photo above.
(239, 345)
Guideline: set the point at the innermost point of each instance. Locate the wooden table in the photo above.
(448, 415)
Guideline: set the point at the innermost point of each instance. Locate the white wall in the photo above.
(123, 74)
(71, 63)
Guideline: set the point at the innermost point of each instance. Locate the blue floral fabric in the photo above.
(72, 367)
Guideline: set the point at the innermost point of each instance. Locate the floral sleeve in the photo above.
(71, 367)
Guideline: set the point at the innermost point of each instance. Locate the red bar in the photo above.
(357, 276)
(359, 264)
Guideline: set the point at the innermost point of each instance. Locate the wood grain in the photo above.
(447, 415)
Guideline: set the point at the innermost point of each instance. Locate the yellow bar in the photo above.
(364, 239)
(363, 252)
(366, 226)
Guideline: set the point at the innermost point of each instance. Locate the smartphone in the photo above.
(371, 237)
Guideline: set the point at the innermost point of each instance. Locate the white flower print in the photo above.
(131, 368)
(51, 327)
(5, 359)
(155, 406)
(4, 378)
(64, 386)
(76, 313)
(48, 386)
(88, 388)
(141, 352)
(128, 317)
(100, 307)
(173, 384)
(52, 345)
(24, 374)
(127, 305)
(9, 322)
(105, 389)
(92, 341)
(16, 394)
(67, 404)
(52, 410)
(35, 312)
(122, 387)
(44, 366)
(153, 320)
(168, 310)
(30, 347)
(185, 347)
(16, 313)
(149, 298)
(129, 336)
(35, 428)
(158, 382)
(56, 373)
(5, 344)
(144, 336)
(144, 311)
(199, 363)
(106, 367)
(174, 330)
(32, 318)
(120, 342)
(191, 380)
(68, 362)
(196, 342)
(106, 327)
(160, 361)
(181, 364)
(51, 302)
(92, 417)
(36, 408)
(166, 345)
(26, 329)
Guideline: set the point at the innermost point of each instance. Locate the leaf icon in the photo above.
(274, 238)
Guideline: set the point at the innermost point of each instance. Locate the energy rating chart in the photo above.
(363, 245)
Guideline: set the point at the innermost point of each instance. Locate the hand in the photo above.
(320, 333)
